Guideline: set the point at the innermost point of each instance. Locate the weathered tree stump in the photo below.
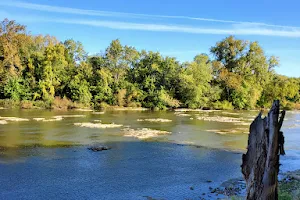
(260, 165)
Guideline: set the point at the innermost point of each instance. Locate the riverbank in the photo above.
(66, 104)
(288, 187)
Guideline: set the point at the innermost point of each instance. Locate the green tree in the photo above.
(37, 67)
(15, 90)
(242, 70)
(74, 52)
(13, 40)
(194, 82)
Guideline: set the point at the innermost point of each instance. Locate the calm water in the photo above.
(49, 160)
(184, 129)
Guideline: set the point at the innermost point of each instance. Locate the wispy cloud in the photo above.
(233, 27)
(67, 10)
(180, 28)
(57, 9)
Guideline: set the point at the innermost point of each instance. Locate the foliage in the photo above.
(243, 71)
(9, 103)
(223, 105)
(40, 71)
(289, 190)
(14, 89)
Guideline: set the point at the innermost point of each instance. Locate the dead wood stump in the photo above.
(260, 165)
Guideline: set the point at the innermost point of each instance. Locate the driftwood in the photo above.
(260, 165)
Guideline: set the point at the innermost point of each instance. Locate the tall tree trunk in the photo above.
(261, 162)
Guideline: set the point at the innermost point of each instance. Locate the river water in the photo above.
(43, 154)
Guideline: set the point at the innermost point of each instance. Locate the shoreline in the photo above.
(117, 108)
(28, 105)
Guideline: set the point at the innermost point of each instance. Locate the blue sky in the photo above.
(175, 28)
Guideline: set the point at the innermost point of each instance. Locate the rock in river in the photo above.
(99, 148)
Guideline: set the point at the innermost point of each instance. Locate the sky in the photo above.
(176, 28)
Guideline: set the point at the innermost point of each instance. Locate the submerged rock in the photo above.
(230, 131)
(38, 119)
(48, 120)
(56, 118)
(99, 148)
(98, 113)
(182, 114)
(219, 119)
(144, 133)
(97, 125)
(53, 119)
(231, 188)
(151, 198)
(84, 109)
(154, 120)
(3, 122)
(68, 116)
(13, 119)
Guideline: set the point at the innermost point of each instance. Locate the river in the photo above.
(158, 155)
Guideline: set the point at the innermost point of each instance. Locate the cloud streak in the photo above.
(179, 29)
(234, 28)
(119, 25)
(67, 10)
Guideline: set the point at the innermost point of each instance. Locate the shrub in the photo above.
(103, 105)
(121, 97)
(26, 104)
(78, 105)
(156, 108)
(41, 104)
(289, 106)
(9, 103)
(222, 105)
(168, 100)
(297, 106)
(61, 103)
(14, 89)
(134, 104)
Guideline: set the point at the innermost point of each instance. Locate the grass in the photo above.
(289, 190)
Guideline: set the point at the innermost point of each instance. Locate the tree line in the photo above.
(37, 68)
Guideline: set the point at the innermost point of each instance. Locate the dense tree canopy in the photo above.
(237, 75)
